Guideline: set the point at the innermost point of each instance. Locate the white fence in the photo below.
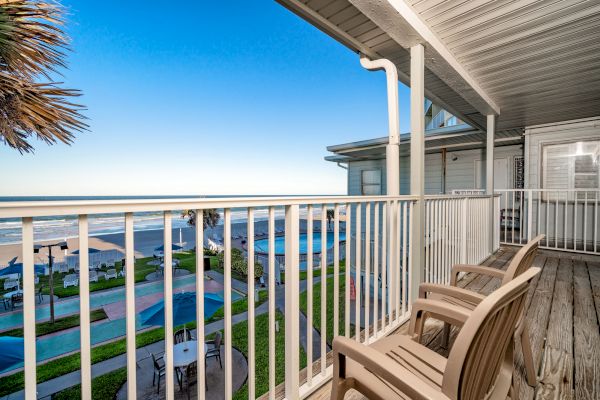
(458, 230)
(568, 218)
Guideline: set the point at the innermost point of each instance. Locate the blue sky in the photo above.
(231, 97)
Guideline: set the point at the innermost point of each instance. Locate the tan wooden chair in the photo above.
(467, 299)
(479, 366)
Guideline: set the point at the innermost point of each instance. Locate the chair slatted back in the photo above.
(182, 335)
(485, 343)
(523, 259)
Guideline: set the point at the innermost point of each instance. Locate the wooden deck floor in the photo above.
(563, 311)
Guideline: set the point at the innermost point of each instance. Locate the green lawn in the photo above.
(70, 363)
(142, 269)
(44, 328)
(329, 305)
(240, 341)
(239, 306)
(317, 272)
(103, 387)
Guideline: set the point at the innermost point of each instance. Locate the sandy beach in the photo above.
(144, 241)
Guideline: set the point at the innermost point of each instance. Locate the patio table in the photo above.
(185, 353)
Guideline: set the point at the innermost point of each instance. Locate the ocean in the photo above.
(65, 227)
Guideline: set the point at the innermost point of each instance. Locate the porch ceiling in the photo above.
(537, 61)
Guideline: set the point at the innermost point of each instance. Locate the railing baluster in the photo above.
(565, 232)
(398, 264)
(292, 303)
(384, 266)
(129, 270)
(84, 310)
(29, 350)
(427, 240)
(367, 269)
(200, 390)
(556, 221)
(576, 193)
(168, 300)
(347, 269)
(404, 251)
(272, 303)
(376, 271)
(227, 306)
(596, 222)
(357, 272)
(323, 288)
(309, 293)
(411, 264)
(585, 205)
(251, 306)
(336, 269)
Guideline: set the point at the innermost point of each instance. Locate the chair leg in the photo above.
(528, 357)
(153, 378)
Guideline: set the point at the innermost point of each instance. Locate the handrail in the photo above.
(18, 209)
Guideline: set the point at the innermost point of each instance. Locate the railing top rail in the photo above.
(546, 190)
(17, 209)
(457, 196)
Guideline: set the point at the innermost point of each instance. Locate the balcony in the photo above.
(369, 253)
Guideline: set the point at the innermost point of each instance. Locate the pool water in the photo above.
(262, 245)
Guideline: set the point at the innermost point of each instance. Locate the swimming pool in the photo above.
(262, 245)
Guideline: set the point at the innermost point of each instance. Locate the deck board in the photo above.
(563, 310)
(586, 335)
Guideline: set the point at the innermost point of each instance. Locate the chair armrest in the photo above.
(477, 269)
(454, 315)
(384, 367)
(451, 291)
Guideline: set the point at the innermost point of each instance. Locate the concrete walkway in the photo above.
(48, 388)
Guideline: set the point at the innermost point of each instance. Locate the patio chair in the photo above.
(6, 302)
(182, 335)
(479, 366)
(468, 300)
(16, 300)
(70, 280)
(215, 350)
(93, 276)
(111, 273)
(159, 370)
(190, 377)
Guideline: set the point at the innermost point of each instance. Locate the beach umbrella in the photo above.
(17, 268)
(11, 352)
(184, 309)
(91, 250)
(174, 247)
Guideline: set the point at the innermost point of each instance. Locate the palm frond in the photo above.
(32, 45)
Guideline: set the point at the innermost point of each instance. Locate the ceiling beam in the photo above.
(405, 27)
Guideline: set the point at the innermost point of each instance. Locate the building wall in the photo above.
(460, 173)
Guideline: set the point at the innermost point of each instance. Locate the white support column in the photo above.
(489, 170)
(292, 301)
(392, 150)
(84, 310)
(417, 164)
(29, 349)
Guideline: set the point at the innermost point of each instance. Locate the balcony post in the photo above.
(489, 182)
(417, 165)
(292, 302)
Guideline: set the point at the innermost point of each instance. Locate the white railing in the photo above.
(458, 229)
(378, 270)
(568, 218)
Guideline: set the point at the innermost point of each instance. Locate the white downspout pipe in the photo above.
(392, 150)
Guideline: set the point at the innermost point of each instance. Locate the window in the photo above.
(371, 182)
(571, 166)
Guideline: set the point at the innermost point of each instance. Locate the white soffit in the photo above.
(536, 61)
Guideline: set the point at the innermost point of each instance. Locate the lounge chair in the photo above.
(111, 273)
(93, 276)
(469, 300)
(70, 280)
(479, 366)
